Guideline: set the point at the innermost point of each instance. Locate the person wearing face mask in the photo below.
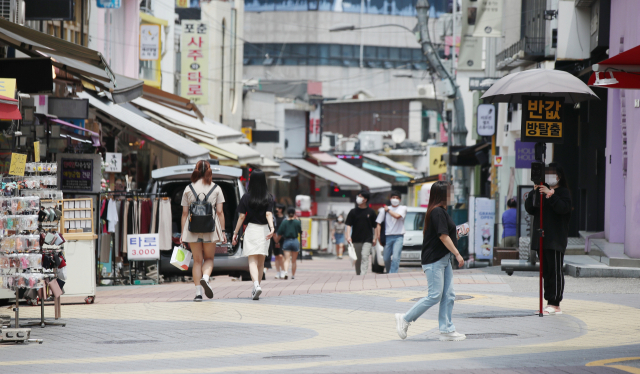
(360, 224)
(393, 219)
(338, 236)
(556, 210)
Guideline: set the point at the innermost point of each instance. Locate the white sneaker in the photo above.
(255, 295)
(207, 288)
(278, 276)
(452, 336)
(286, 276)
(401, 326)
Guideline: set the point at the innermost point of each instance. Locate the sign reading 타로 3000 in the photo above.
(542, 119)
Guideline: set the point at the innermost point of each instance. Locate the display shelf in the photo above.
(88, 206)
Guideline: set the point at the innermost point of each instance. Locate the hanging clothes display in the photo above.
(164, 224)
(154, 217)
(112, 215)
(126, 224)
(105, 248)
(145, 216)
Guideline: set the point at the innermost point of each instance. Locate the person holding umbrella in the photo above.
(556, 212)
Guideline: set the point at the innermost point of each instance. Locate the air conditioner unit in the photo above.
(444, 88)
(426, 90)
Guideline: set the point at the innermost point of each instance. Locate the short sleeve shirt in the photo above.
(393, 226)
(433, 249)
(362, 222)
(187, 198)
(258, 217)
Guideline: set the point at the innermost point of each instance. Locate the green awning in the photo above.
(399, 177)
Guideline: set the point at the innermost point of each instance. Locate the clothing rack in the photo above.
(134, 194)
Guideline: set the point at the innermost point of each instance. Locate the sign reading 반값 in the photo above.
(542, 119)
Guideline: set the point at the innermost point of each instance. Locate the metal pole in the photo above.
(361, 35)
(540, 250)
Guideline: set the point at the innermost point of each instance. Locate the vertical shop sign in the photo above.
(314, 125)
(18, 162)
(194, 48)
(485, 212)
(113, 162)
(36, 151)
(541, 119)
(525, 154)
(486, 125)
(470, 57)
(8, 87)
(305, 236)
(437, 163)
(488, 19)
(76, 175)
(149, 42)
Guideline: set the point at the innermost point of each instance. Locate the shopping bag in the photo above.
(352, 252)
(180, 258)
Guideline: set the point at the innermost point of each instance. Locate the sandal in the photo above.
(551, 310)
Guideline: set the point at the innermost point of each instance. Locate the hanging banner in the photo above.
(488, 19)
(485, 212)
(470, 57)
(149, 42)
(314, 125)
(525, 154)
(194, 49)
(541, 119)
(437, 162)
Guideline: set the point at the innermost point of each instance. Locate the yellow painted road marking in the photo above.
(628, 369)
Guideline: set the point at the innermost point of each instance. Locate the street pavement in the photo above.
(328, 320)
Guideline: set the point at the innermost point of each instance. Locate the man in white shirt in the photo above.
(393, 219)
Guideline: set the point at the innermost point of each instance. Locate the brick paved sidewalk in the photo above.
(321, 275)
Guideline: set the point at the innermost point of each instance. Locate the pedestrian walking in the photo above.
(289, 230)
(277, 247)
(509, 218)
(256, 210)
(393, 219)
(203, 245)
(556, 211)
(338, 236)
(438, 247)
(360, 223)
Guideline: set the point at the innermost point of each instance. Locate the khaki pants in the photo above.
(363, 251)
(509, 242)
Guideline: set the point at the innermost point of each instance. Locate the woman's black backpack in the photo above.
(201, 213)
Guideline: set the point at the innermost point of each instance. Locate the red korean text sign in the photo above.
(194, 48)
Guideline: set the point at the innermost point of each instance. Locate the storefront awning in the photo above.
(384, 160)
(9, 109)
(377, 169)
(208, 128)
(619, 71)
(268, 165)
(326, 174)
(373, 183)
(323, 158)
(470, 156)
(246, 155)
(167, 139)
(37, 44)
(95, 137)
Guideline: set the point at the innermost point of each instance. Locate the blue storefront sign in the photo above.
(111, 4)
(525, 154)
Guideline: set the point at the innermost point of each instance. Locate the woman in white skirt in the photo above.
(256, 211)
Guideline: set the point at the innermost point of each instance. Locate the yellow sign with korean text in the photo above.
(248, 132)
(194, 50)
(8, 87)
(542, 118)
(437, 162)
(18, 162)
(305, 236)
(36, 151)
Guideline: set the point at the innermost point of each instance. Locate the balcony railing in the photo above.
(532, 50)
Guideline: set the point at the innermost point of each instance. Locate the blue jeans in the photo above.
(392, 252)
(440, 278)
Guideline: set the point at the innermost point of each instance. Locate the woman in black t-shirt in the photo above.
(438, 246)
(256, 210)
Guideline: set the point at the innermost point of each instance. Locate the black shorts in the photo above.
(277, 251)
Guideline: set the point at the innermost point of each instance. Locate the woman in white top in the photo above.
(203, 245)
